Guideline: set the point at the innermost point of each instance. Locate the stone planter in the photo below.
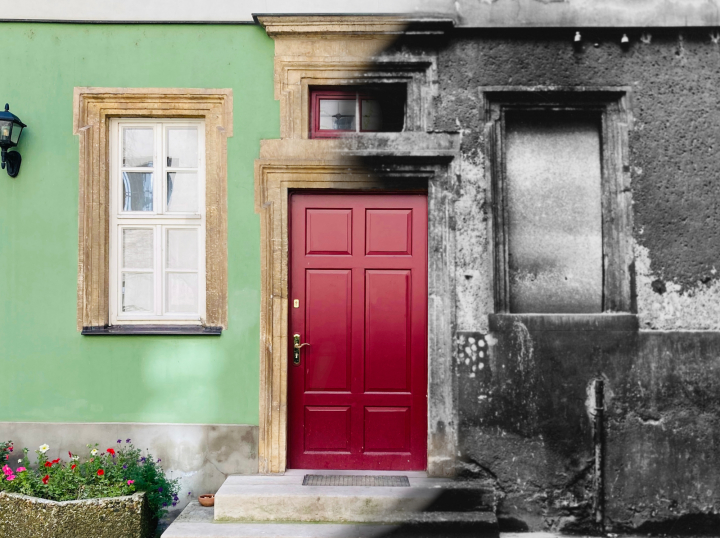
(111, 517)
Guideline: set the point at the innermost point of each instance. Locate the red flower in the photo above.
(100, 472)
(111, 451)
(45, 480)
(69, 454)
(72, 467)
(56, 461)
(48, 464)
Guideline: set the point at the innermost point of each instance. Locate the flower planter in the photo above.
(111, 517)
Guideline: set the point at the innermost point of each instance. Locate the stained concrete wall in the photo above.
(524, 410)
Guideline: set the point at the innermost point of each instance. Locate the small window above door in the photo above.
(335, 112)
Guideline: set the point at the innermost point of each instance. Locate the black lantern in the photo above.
(10, 129)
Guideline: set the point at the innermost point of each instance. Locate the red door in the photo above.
(358, 297)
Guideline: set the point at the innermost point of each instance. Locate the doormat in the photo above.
(355, 480)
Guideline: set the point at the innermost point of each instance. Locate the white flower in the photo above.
(44, 448)
(94, 451)
(19, 460)
(75, 458)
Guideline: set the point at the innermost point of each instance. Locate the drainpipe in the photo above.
(599, 441)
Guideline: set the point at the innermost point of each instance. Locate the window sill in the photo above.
(155, 330)
(565, 322)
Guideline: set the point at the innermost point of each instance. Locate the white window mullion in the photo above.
(358, 119)
(159, 266)
(158, 167)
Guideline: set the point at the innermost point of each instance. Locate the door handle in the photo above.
(296, 349)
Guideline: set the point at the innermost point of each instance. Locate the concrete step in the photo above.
(264, 498)
(198, 522)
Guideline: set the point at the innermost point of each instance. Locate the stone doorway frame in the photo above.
(327, 50)
(275, 181)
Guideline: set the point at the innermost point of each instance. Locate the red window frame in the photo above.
(316, 95)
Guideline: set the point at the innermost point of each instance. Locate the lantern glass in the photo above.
(15, 134)
(6, 128)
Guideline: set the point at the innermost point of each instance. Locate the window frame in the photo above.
(611, 104)
(346, 95)
(159, 220)
(93, 109)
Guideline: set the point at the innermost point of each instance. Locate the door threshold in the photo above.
(358, 472)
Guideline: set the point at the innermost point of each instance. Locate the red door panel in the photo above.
(328, 231)
(389, 231)
(328, 325)
(387, 429)
(387, 331)
(327, 429)
(358, 271)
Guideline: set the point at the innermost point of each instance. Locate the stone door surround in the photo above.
(351, 50)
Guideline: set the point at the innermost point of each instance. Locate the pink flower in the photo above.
(7, 470)
(11, 477)
(131, 482)
(20, 469)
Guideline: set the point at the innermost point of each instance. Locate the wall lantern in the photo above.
(10, 129)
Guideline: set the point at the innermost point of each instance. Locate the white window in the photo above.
(157, 222)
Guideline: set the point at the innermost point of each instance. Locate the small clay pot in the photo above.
(207, 500)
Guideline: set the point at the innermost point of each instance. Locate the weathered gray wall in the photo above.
(523, 390)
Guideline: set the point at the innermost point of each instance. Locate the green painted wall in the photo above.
(48, 371)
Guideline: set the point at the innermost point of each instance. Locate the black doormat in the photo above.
(355, 480)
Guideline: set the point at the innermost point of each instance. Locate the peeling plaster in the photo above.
(666, 305)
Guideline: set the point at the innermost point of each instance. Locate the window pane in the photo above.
(138, 146)
(182, 147)
(182, 292)
(137, 248)
(137, 191)
(182, 192)
(137, 292)
(182, 248)
(371, 115)
(553, 190)
(337, 114)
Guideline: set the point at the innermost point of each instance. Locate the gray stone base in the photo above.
(201, 455)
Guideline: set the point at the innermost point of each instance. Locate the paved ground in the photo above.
(194, 515)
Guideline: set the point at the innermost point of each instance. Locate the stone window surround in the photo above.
(318, 50)
(296, 96)
(613, 105)
(92, 109)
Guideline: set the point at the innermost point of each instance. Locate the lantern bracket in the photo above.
(12, 160)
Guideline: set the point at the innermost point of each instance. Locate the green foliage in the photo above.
(115, 472)
(6, 449)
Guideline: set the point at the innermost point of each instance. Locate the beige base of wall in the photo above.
(201, 455)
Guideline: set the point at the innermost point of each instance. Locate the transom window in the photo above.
(157, 222)
(356, 110)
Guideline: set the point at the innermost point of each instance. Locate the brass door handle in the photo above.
(296, 349)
